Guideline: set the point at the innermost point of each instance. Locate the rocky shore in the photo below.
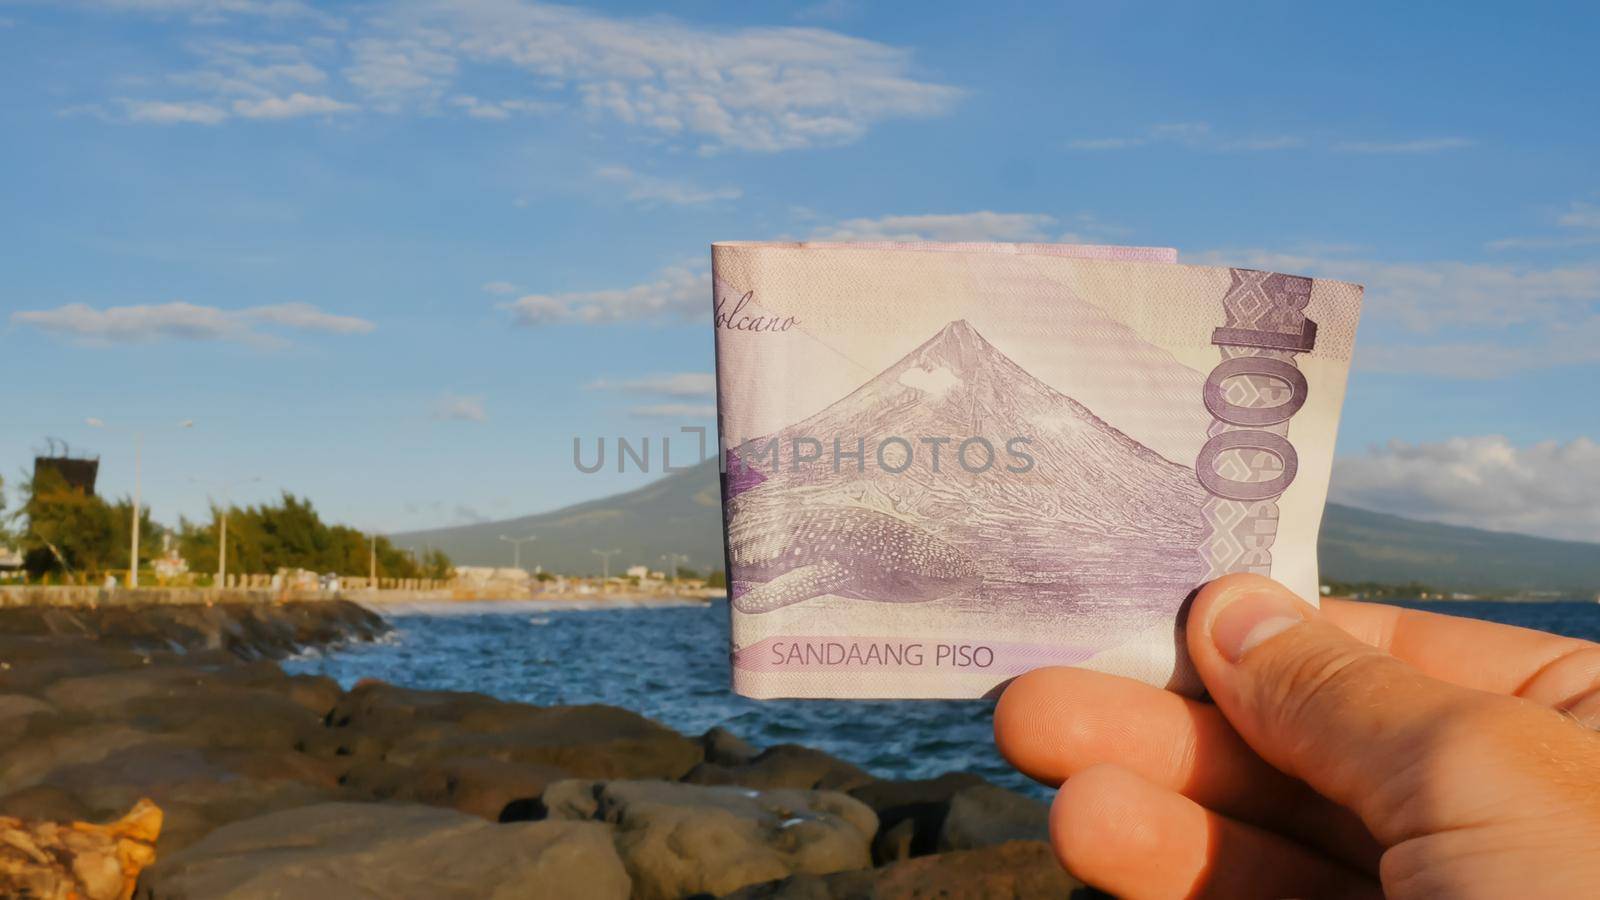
(272, 785)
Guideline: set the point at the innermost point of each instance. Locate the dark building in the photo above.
(77, 474)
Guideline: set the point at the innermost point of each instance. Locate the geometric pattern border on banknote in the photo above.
(1263, 319)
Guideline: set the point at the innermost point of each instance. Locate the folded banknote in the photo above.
(947, 464)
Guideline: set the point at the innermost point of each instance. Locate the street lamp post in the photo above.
(516, 544)
(672, 565)
(605, 562)
(225, 487)
(138, 467)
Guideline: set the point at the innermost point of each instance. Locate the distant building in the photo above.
(482, 575)
(170, 564)
(639, 572)
(10, 562)
(78, 474)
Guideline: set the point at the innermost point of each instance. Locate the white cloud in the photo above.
(305, 317)
(1420, 145)
(397, 73)
(499, 287)
(1201, 136)
(677, 411)
(684, 291)
(983, 225)
(679, 292)
(1195, 135)
(1557, 345)
(296, 104)
(650, 189)
(457, 408)
(1550, 489)
(187, 321)
(214, 10)
(762, 89)
(1582, 224)
(829, 10)
(245, 80)
(705, 87)
(677, 384)
(1108, 143)
(1581, 215)
(247, 68)
(500, 110)
(168, 113)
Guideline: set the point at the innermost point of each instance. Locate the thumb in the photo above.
(1360, 727)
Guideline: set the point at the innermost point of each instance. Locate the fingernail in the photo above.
(1251, 617)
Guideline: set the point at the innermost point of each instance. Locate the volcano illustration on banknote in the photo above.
(918, 526)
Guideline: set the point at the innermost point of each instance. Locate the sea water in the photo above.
(671, 664)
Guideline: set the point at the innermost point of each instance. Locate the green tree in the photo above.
(289, 534)
(717, 579)
(74, 532)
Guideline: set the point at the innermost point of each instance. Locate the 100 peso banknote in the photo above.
(947, 464)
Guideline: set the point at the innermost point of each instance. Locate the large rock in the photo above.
(1024, 870)
(679, 839)
(724, 748)
(16, 715)
(44, 802)
(985, 815)
(490, 789)
(412, 727)
(378, 850)
(27, 662)
(197, 790)
(784, 766)
(911, 814)
(244, 630)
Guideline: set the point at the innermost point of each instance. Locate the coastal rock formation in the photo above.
(45, 860)
(679, 840)
(984, 815)
(784, 766)
(382, 850)
(246, 630)
(412, 727)
(911, 814)
(1002, 872)
(724, 748)
(487, 788)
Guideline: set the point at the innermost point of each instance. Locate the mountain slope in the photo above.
(1360, 545)
(680, 513)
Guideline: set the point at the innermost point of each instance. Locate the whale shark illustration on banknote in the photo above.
(942, 520)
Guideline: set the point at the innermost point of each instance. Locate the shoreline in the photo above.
(90, 597)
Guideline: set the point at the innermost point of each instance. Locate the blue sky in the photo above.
(394, 256)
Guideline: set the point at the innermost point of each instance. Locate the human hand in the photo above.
(1352, 751)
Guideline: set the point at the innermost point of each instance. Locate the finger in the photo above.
(1122, 834)
(1545, 668)
(1403, 750)
(1054, 723)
